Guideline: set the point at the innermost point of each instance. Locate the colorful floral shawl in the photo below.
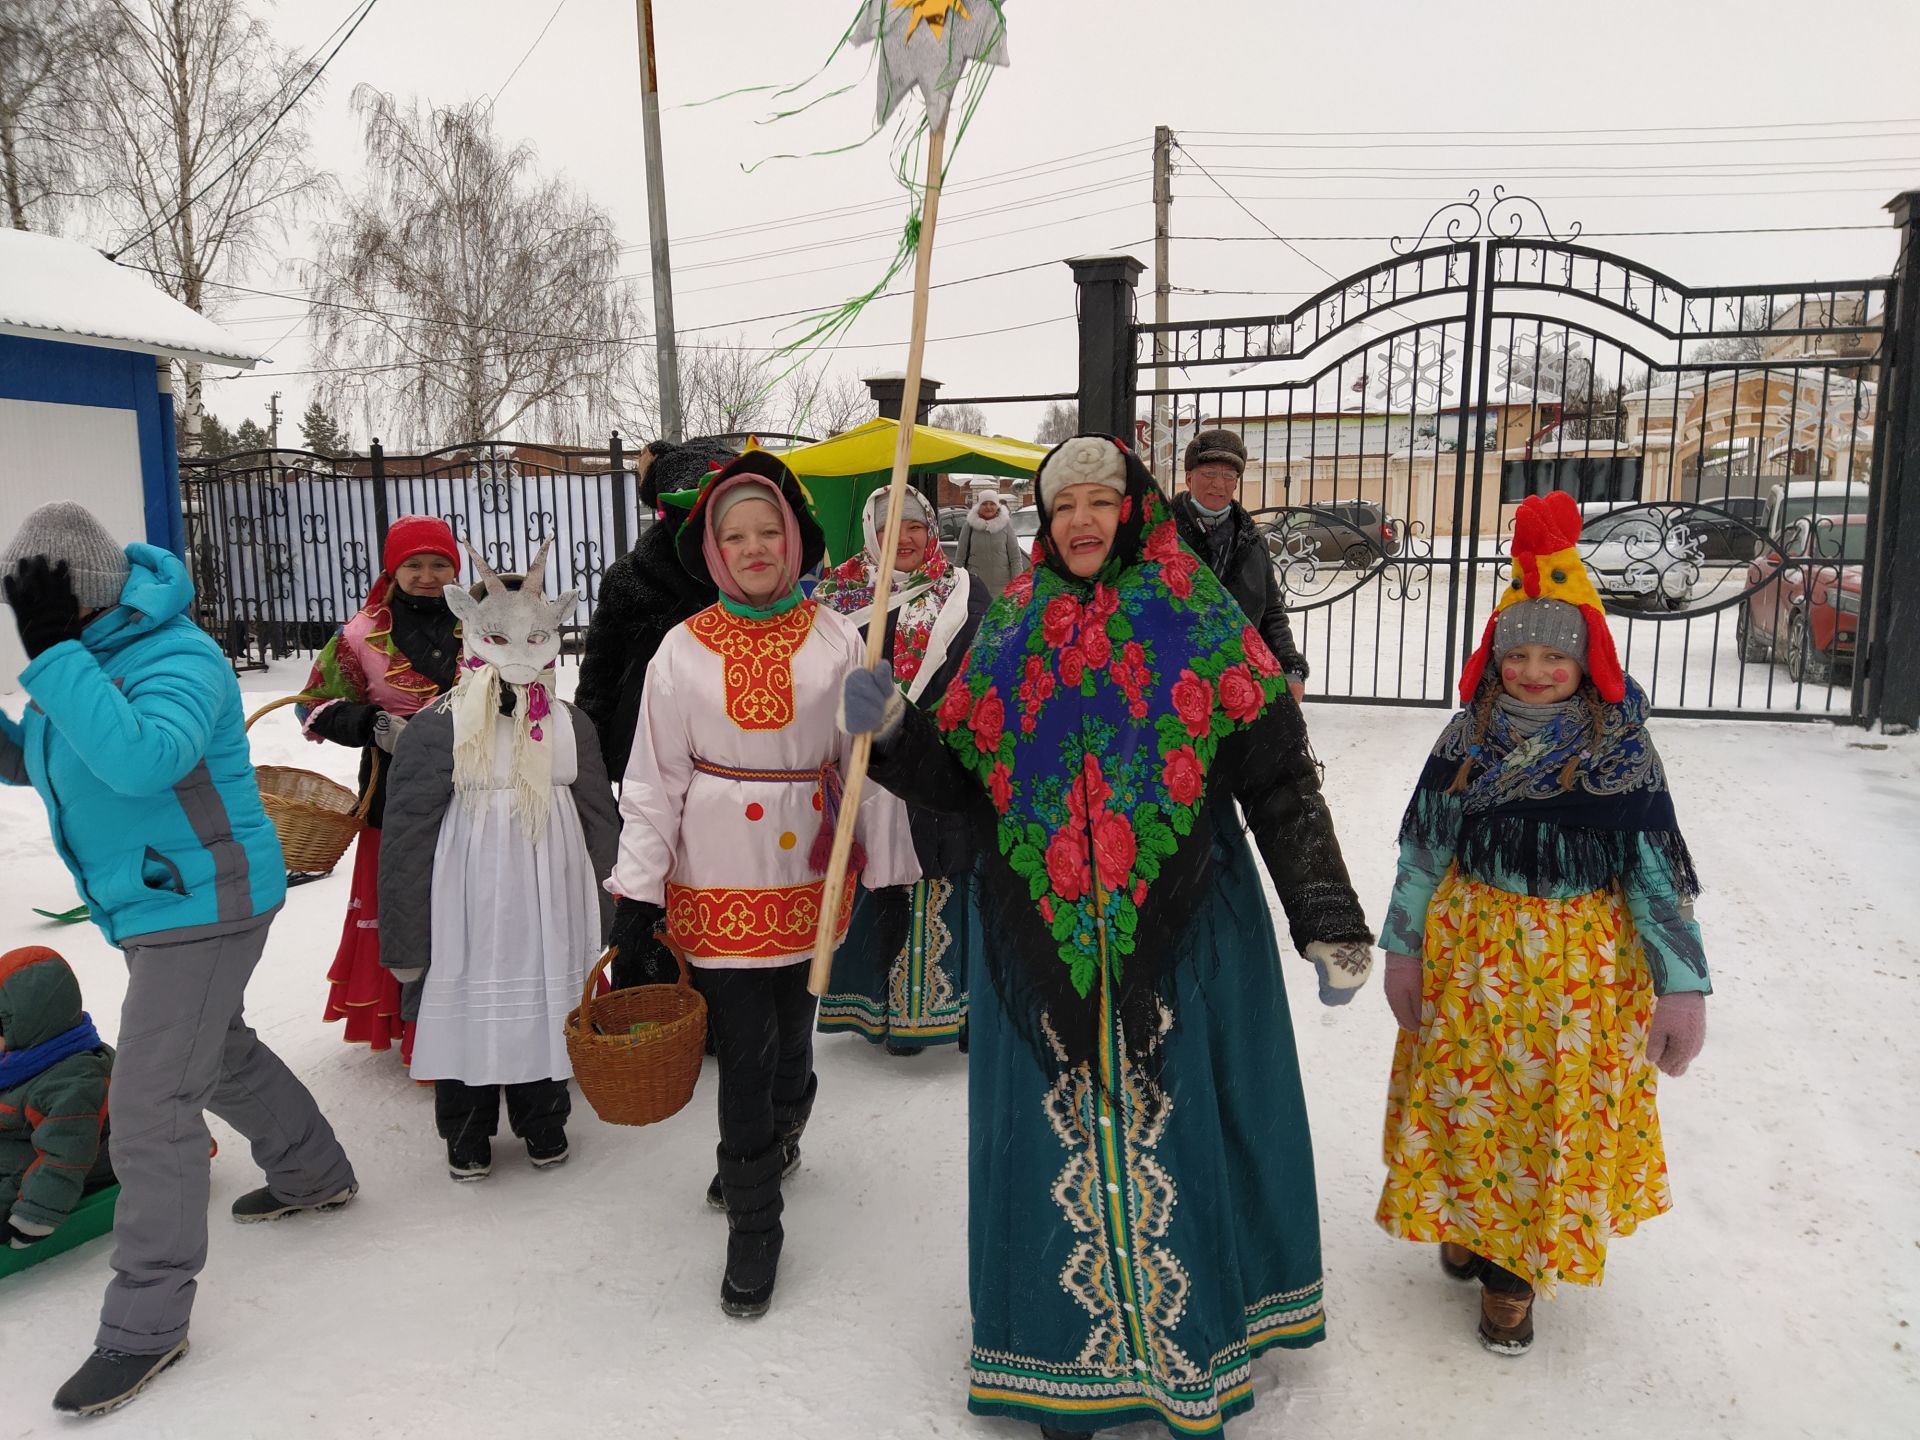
(915, 600)
(341, 670)
(1525, 815)
(1092, 712)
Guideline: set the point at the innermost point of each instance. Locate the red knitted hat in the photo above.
(413, 535)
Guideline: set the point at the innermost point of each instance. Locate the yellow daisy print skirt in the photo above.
(1521, 1119)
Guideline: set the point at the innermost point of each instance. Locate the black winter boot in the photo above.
(110, 1378)
(790, 1122)
(754, 1235)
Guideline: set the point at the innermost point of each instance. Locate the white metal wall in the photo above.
(88, 453)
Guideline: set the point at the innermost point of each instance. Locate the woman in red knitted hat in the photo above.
(399, 652)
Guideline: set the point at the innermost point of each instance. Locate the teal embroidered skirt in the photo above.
(1129, 1256)
(911, 991)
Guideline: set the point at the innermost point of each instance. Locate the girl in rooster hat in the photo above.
(1542, 957)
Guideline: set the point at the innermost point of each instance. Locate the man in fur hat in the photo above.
(1217, 528)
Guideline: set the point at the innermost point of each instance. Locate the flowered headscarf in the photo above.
(916, 600)
(1092, 711)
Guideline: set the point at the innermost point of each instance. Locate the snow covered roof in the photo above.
(54, 289)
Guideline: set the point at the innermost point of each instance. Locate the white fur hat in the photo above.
(1083, 460)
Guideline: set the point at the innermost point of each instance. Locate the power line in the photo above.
(1575, 130)
(1555, 144)
(1723, 170)
(1250, 215)
(1584, 234)
(260, 140)
(491, 99)
(633, 339)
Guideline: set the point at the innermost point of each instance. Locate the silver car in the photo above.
(1639, 555)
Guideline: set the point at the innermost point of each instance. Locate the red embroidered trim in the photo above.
(763, 923)
(757, 661)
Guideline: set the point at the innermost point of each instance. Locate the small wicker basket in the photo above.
(638, 1078)
(316, 818)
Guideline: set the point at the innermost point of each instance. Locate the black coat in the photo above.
(944, 843)
(643, 595)
(1246, 569)
(426, 632)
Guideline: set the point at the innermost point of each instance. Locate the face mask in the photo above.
(1210, 514)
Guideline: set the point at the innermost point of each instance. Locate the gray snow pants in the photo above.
(185, 1048)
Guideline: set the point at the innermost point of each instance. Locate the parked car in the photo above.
(949, 523)
(1730, 528)
(1026, 525)
(1803, 607)
(1638, 556)
(1348, 532)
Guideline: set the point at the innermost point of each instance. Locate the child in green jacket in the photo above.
(54, 1071)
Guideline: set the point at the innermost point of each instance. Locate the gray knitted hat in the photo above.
(1542, 622)
(66, 531)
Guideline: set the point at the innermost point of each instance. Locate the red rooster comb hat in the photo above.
(1547, 566)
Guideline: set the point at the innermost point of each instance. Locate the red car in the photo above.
(1805, 608)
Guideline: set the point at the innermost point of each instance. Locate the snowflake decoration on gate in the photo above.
(1418, 374)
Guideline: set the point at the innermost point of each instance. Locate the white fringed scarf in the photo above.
(476, 706)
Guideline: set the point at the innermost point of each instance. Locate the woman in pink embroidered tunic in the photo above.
(728, 807)
(400, 651)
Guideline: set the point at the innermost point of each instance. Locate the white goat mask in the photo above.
(515, 631)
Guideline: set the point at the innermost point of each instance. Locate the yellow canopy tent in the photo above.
(839, 474)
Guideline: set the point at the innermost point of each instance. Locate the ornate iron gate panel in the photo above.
(284, 544)
(1722, 442)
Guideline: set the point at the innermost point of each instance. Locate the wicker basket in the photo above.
(638, 1079)
(316, 818)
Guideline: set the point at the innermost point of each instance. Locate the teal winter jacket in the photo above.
(136, 740)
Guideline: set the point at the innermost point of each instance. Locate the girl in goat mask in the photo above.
(500, 828)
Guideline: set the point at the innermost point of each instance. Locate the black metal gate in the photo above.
(283, 544)
(1721, 441)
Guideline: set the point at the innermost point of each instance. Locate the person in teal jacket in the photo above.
(134, 738)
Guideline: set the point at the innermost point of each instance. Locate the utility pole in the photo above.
(273, 422)
(663, 338)
(1162, 292)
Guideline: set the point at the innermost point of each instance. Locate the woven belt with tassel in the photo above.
(826, 779)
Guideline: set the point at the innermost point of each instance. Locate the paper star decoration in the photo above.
(925, 45)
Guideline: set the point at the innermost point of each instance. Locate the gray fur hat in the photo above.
(1542, 622)
(66, 531)
(1221, 445)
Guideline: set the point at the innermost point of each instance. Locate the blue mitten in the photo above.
(871, 704)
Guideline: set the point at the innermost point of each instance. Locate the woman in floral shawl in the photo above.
(901, 977)
(400, 651)
(1142, 1216)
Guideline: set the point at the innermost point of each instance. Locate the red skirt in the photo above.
(360, 991)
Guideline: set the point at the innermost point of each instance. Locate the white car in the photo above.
(1639, 555)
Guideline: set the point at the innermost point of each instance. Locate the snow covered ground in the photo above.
(1774, 1301)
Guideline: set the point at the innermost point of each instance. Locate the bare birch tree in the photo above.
(44, 45)
(728, 387)
(464, 295)
(194, 175)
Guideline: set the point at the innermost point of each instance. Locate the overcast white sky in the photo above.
(1097, 77)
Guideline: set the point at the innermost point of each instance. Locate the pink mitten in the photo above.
(1678, 1030)
(1403, 989)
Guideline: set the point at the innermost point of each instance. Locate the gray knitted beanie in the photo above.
(66, 531)
(1553, 623)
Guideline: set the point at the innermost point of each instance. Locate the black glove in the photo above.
(18, 1239)
(643, 959)
(44, 605)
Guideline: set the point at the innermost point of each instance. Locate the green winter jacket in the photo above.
(52, 1125)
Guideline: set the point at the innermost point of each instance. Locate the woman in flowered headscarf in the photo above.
(901, 978)
(1142, 1216)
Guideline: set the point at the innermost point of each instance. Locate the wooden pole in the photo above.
(821, 972)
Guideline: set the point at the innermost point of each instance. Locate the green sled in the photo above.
(90, 1219)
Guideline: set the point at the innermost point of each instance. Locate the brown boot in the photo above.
(1459, 1262)
(1506, 1321)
